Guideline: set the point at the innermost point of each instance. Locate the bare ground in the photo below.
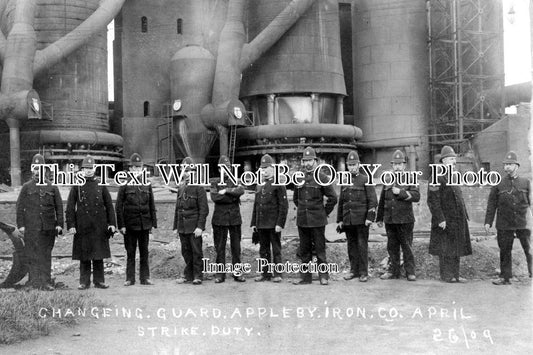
(346, 317)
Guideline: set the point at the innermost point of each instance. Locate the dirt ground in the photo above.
(346, 317)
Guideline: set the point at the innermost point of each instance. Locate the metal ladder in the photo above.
(232, 142)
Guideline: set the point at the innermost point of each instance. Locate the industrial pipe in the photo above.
(273, 32)
(79, 137)
(66, 45)
(300, 130)
(390, 143)
(17, 75)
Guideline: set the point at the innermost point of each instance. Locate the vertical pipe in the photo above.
(227, 81)
(315, 108)
(270, 109)
(340, 109)
(17, 73)
(14, 151)
(412, 157)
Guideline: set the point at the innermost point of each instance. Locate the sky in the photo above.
(517, 44)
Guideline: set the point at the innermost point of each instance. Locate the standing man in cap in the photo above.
(91, 218)
(355, 214)
(40, 219)
(227, 218)
(136, 216)
(511, 199)
(189, 223)
(450, 238)
(268, 217)
(312, 216)
(396, 209)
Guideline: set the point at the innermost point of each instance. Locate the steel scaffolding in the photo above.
(465, 48)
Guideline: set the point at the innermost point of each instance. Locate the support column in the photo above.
(270, 109)
(315, 113)
(223, 140)
(412, 158)
(14, 151)
(340, 109)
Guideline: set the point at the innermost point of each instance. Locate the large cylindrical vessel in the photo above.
(191, 79)
(299, 81)
(73, 92)
(391, 78)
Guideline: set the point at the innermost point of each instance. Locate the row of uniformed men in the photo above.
(40, 216)
(450, 238)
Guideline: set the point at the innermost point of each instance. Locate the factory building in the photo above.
(245, 78)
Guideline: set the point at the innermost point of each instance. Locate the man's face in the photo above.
(136, 170)
(450, 161)
(510, 169)
(308, 164)
(398, 166)
(88, 172)
(35, 174)
(353, 168)
(268, 172)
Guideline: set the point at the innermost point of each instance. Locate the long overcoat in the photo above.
(446, 204)
(90, 210)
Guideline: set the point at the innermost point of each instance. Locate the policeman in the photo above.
(268, 218)
(312, 216)
(355, 214)
(227, 218)
(40, 219)
(396, 209)
(450, 238)
(189, 223)
(511, 199)
(136, 216)
(91, 218)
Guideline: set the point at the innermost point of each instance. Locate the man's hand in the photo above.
(59, 230)
(123, 230)
(368, 223)
(72, 230)
(222, 192)
(22, 229)
(254, 229)
(278, 229)
(175, 231)
(380, 224)
(340, 224)
(442, 225)
(198, 232)
(111, 228)
(395, 190)
(487, 228)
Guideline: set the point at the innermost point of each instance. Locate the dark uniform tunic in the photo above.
(397, 213)
(509, 201)
(311, 219)
(39, 211)
(136, 212)
(270, 210)
(191, 213)
(226, 218)
(90, 210)
(357, 203)
(447, 205)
